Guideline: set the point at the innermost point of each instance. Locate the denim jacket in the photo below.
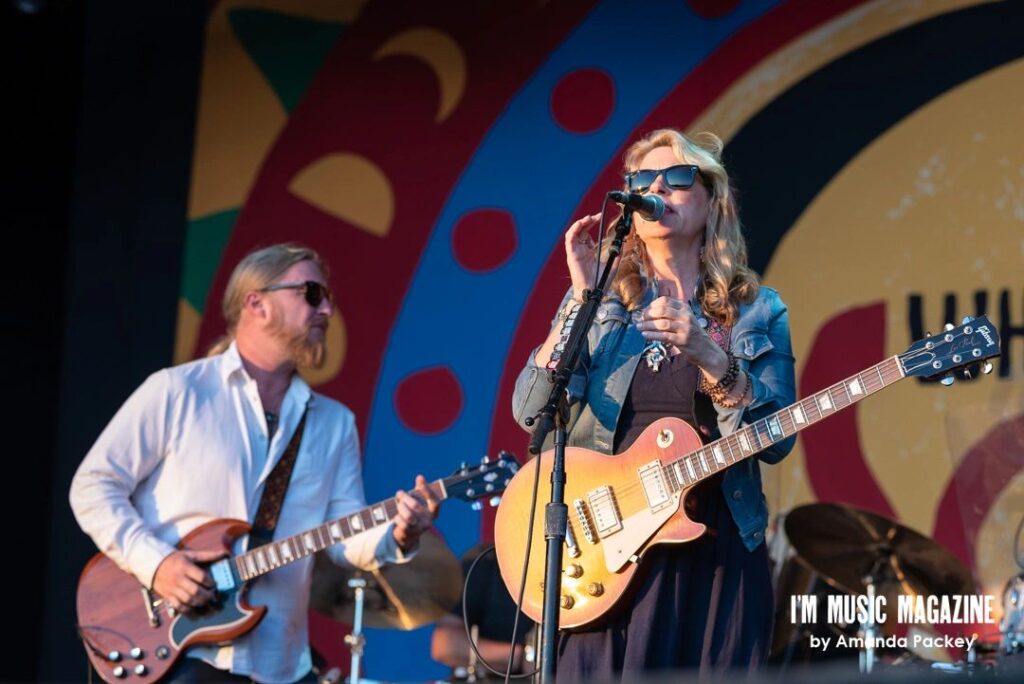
(760, 341)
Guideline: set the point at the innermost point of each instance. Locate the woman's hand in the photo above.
(671, 321)
(581, 254)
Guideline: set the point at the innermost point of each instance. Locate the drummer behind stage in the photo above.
(492, 611)
(198, 441)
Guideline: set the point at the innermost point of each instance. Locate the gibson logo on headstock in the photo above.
(987, 334)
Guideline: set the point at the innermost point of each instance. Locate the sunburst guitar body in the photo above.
(619, 507)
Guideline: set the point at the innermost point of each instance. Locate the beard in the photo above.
(303, 349)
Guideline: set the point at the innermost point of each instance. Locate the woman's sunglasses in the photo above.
(679, 177)
(315, 292)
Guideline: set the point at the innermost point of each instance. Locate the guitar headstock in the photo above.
(488, 479)
(955, 349)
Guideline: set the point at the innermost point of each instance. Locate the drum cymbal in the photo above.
(845, 545)
(403, 596)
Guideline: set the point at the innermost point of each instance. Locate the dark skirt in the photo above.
(702, 606)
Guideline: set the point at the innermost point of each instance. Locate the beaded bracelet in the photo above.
(567, 319)
(747, 391)
(719, 392)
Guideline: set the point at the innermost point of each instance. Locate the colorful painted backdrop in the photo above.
(435, 152)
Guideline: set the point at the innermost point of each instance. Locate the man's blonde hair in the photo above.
(255, 271)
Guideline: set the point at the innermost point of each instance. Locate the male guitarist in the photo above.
(199, 441)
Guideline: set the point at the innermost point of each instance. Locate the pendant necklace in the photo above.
(655, 352)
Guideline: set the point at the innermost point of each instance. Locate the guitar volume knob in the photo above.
(136, 653)
(595, 588)
(573, 570)
(119, 672)
(141, 669)
(566, 601)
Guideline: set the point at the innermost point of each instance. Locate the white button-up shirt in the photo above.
(190, 445)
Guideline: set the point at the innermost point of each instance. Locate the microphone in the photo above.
(650, 207)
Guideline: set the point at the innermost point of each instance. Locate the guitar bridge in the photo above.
(581, 515)
(147, 601)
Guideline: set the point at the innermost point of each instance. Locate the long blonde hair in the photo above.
(726, 280)
(255, 271)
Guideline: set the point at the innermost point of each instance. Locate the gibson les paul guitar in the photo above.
(131, 634)
(621, 506)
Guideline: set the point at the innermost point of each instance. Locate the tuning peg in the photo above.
(476, 506)
(948, 327)
(947, 380)
(494, 501)
(986, 367)
(966, 320)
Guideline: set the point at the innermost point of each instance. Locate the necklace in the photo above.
(655, 352)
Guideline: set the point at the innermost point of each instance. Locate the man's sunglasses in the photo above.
(314, 291)
(679, 177)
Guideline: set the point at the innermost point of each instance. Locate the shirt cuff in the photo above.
(388, 550)
(145, 557)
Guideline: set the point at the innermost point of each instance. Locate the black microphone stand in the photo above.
(554, 416)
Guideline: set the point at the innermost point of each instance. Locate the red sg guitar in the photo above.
(131, 634)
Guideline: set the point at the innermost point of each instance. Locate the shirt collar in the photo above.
(231, 366)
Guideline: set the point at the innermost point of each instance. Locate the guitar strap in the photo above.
(269, 510)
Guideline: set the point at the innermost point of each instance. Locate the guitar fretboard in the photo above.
(263, 559)
(759, 435)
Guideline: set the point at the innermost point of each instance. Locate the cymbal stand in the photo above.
(869, 630)
(356, 641)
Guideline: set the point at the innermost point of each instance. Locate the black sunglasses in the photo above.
(680, 177)
(315, 292)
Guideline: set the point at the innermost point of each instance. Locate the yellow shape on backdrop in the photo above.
(441, 53)
(349, 187)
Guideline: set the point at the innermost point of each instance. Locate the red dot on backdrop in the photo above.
(429, 401)
(712, 9)
(484, 239)
(583, 100)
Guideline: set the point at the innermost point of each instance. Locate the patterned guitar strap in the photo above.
(274, 491)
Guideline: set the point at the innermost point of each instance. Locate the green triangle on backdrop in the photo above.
(288, 50)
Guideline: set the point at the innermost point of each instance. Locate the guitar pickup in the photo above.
(606, 510)
(652, 478)
(222, 577)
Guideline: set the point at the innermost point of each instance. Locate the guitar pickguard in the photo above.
(223, 615)
(622, 546)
